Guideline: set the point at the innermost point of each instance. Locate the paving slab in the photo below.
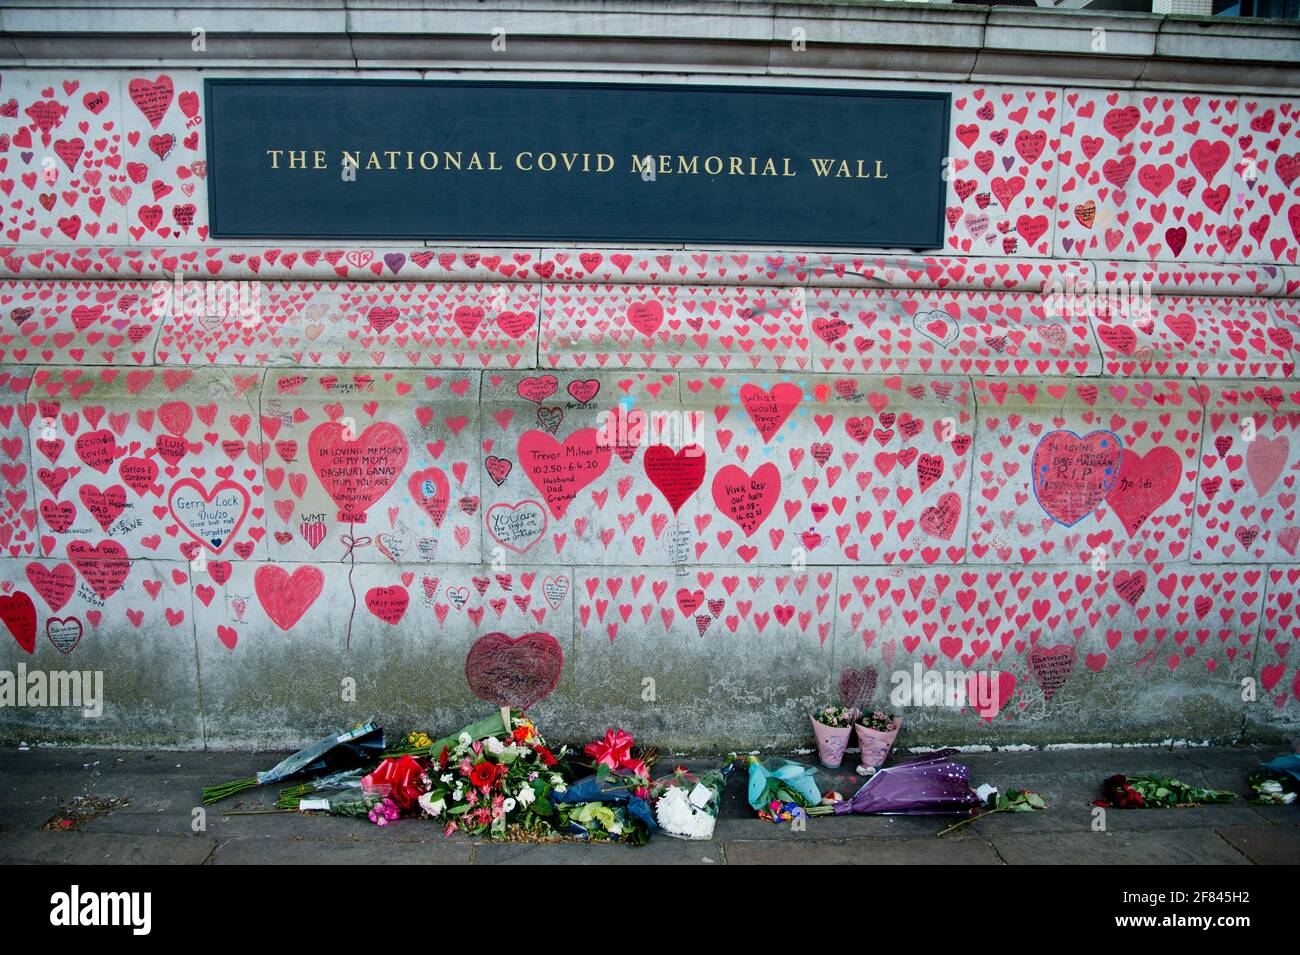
(100, 848)
(1169, 847)
(658, 851)
(1266, 845)
(277, 850)
(906, 851)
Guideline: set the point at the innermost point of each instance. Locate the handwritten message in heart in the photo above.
(1073, 474)
(357, 471)
(212, 517)
(560, 470)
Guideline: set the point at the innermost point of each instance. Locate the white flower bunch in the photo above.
(678, 816)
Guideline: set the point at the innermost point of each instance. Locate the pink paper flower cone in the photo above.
(831, 743)
(876, 745)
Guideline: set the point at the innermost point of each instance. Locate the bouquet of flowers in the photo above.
(621, 777)
(839, 717)
(1152, 792)
(493, 783)
(346, 749)
(686, 806)
(879, 722)
(615, 753)
(1272, 790)
(291, 796)
(405, 778)
(415, 743)
(356, 801)
(1279, 782)
(780, 790)
(603, 821)
(1013, 800)
(876, 734)
(832, 727)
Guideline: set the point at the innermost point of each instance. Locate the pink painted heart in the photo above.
(104, 566)
(357, 471)
(1051, 667)
(560, 470)
(1144, 484)
(770, 409)
(940, 520)
(429, 489)
(388, 603)
(212, 518)
(1265, 459)
(286, 597)
(744, 498)
(988, 691)
(645, 317)
(1072, 474)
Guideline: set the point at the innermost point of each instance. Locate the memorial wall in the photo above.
(1006, 405)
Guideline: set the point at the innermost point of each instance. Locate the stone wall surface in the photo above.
(824, 468)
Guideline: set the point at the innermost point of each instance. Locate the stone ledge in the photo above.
(580, 265)
(867, 39)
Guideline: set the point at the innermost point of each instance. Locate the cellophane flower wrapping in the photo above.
(686, 806)
(347, 749)
(781, 781)
(344, 779)
(603, 821)
(354, 801)
(406, 779)
(613, 789)
(930, 785)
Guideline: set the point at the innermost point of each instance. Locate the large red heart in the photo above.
(769, 409)
(514, 672)
(677, 474)
(560, 471)
(357, 471)
(286, 598)
(1144, 484)
(1073, 474)
(212, 518)
(19, 615)
(104, 565)
(857, 686)
(746, 499)
(1051, 667)
(430, 490)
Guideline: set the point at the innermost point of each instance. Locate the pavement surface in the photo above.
(157, 823)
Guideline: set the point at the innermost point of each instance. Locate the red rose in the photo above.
(547, 757)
